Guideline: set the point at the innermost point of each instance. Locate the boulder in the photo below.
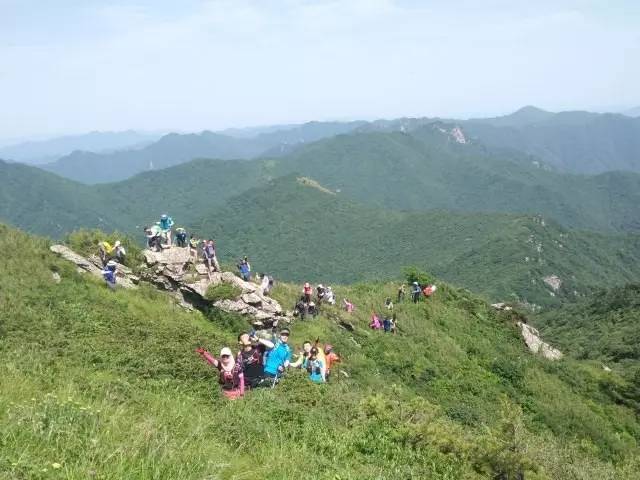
(251, 299)
(532, 339)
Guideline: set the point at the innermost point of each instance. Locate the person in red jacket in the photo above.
(330, 359)
(230, 374)
(306, 292)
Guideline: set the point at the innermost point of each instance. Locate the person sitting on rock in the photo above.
(315, 367)
(231, 376)
(166, 222)
(251, 357)
(181, 237)
(278, 359)
(154, 237)
(109, 274)
(108, 252)
(245, 269)
(210, 259)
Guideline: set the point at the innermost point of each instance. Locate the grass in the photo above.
(107, 385)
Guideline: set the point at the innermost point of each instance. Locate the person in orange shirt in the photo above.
(330, 358)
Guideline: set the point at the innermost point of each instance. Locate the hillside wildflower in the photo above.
(56, 465)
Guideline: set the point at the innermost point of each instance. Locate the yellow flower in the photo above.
(56, 465)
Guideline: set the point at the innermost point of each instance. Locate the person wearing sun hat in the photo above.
(230, 374)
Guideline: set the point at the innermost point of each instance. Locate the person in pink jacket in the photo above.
(230, 374)
(375, 323)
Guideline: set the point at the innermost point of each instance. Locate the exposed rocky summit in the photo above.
(173, 270)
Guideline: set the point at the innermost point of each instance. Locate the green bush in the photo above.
(414, 274)
(223, 291)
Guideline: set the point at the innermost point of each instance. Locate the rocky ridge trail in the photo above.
(173, 271)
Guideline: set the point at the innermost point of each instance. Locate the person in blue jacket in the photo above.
(109, 274)
(315, 367)
(166, 222)
(279, 357)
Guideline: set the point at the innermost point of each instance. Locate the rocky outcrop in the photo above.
(93, 265)
(532, 338)
(173, 270)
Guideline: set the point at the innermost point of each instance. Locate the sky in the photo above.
(72, 66)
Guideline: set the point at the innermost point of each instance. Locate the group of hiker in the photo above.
(417, 291)
(306, 306)
(389, 322)
(263, 362)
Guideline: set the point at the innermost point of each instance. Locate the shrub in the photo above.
(414, 274)
(223, 291)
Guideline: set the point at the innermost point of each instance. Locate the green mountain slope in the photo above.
(604, 326)
(95, 383)
(302, 232)
(580, 142)
(174, 149)
(49, 205)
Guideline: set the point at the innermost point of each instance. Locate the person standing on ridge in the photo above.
(109, 274)
(415, 292)
(193, 248)
(331, 358)
(245, 269)
(210, 259)
(400, 293)
(108, 252)
(306, 292)
(315, 367)
(166, 223)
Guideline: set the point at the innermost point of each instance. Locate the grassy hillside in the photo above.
(105, 384)
(299, 231)
(604, 326)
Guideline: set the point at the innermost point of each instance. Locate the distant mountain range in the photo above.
(174, 149)
(632, 112)
(46, 151)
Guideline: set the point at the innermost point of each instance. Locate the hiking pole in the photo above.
(275, 379)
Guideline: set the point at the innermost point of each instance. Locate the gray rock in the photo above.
(532, 338)
(56, 277)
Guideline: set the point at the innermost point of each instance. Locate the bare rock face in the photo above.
(532, 338)
(553, 281)
(93, 265)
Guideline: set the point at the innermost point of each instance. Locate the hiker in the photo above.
(329, 296)
(400, 293)
(330, 358)
(251, 358)
(393, 327)
(320, 291)
(301, 308)
(388, 303)
(348, 306)
(245, 269)
(108, 252)
(429, 290)
(266, 284)
(278, 358)
(181, 237)
(109, 273)
(154, 237)
(231, 377)
(375, 324)
(315, 367)
(415, 292)
(312, 309)
(166, 222)
(306, 292)
(210, 259)
(193, 248)
(302, 356)
(386, 324)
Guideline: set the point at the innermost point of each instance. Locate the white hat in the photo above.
(226, 351)
(111, 263)
(117, 244)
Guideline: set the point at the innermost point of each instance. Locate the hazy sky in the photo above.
(78, 65)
